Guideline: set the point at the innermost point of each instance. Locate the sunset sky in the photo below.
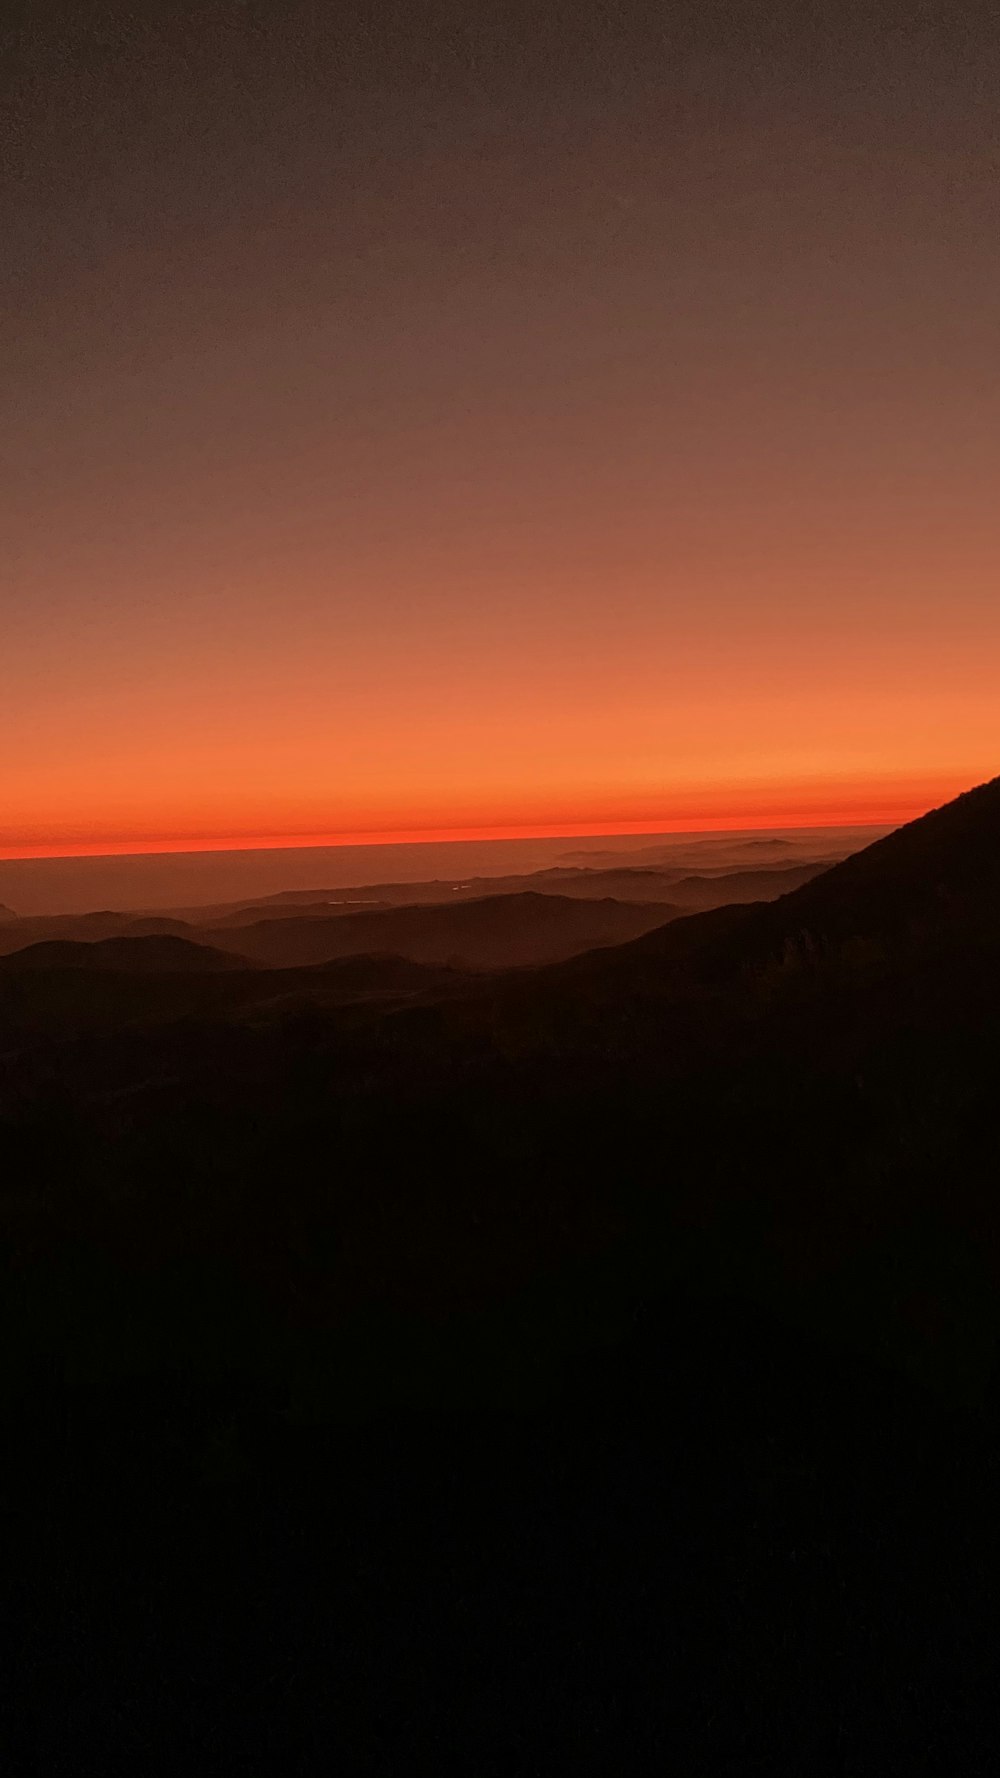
(445, 419)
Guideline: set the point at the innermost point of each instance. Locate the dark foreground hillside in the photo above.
(594, 1367)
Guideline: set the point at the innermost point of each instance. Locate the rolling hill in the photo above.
(640, 884)
(496, 932)
(155, 955)
(571, 1326)
(16, 935)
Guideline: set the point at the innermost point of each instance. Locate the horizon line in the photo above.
(375, 839)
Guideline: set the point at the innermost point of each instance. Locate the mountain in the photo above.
(930, 875)
(85, 928)
(165, 954)
(934, 882)
(496, 932)
(489, 1347)
(710, 887)
(741, 886)
(618, 885)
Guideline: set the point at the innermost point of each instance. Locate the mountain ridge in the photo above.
(123, 955)
(943, 867)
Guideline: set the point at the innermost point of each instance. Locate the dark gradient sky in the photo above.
(446, 418)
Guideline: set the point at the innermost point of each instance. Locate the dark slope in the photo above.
(154, 955)
(487, 1382)
(932, 873)
(188, 1008)
(372, 972)
(935, 880)
(495, 933)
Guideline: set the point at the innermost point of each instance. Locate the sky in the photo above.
(439, 420)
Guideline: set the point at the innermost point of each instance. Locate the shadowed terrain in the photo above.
(128, 956)
(531, 933)
(498, 932)
(605, 1352)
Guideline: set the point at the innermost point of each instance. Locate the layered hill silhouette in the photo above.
(627, 883)
(571, 1325)
(928, 875)
(496, 932)
(705, 1068)
(512, 928)
(934, 879)
(704, 892)
(676, 889)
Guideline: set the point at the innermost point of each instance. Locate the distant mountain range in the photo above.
(639, 884)
(656, 1280)
(933, 873)
(497, 932)
(489, 939)
(937, 879)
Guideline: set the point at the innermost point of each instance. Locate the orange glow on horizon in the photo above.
(772, 808)
(606, 704)
(612, 456)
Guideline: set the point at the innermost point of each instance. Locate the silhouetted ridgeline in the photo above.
(145, 956)
(675, 888)
(495, 932)
(432, 1368)
(498, 932)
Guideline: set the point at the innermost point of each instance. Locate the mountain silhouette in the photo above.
(933, 872)
(742, 886)
(502, 1341)
(496, 932)
(165, 954)
(16, 934)
(591, 885)
(938, 876)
